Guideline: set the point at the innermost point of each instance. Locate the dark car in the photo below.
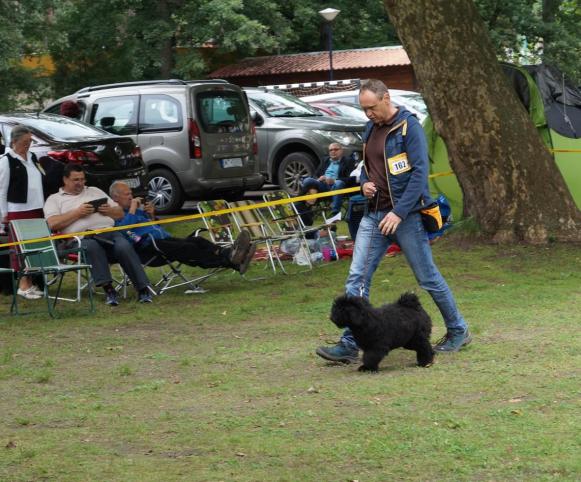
(58, 140)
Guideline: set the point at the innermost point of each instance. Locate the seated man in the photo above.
(70, 210)
(193, 251)
(333, 173)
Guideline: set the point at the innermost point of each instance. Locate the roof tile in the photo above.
(315, 62)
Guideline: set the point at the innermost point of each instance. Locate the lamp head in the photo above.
(329, 14)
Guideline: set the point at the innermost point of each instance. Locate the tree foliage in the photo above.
(115, 40)
(531, 31)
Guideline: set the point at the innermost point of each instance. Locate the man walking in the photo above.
(395, 181)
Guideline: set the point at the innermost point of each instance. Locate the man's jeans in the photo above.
(370, 248)
(312, 183)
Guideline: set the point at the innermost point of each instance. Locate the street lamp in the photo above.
(329, 15)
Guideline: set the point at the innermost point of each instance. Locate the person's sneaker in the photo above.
(111, 298)
(37, 291)
(29, 294)
(240, 248)
(452, 341)
(338, 353)
(145, 296)
(243, 267)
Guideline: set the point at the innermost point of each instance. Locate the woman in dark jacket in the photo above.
(21, 191)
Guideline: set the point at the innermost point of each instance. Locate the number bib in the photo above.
(398, 164)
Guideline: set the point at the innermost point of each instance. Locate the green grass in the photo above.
(226, 385)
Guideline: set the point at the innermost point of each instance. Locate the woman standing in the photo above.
(21, 192)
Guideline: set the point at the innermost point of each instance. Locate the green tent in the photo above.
(555, 108)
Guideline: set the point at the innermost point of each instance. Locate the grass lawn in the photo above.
(226, 386)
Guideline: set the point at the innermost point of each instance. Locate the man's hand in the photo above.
(85, 210)
(135, 205)
(389, 223)
(369, 190)
(322, 178)
(149, 208)
(330, 181)
(107, 210)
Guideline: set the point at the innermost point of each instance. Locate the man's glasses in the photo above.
(334, 149)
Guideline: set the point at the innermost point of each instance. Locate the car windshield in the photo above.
(63, 128)
(347, 110)
(279, 104)
(413, 101)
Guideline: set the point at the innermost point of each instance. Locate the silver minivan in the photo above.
(196, 137)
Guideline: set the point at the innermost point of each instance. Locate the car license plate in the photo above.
(233, 162)
(132, 183)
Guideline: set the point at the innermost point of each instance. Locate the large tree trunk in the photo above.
(511, 183)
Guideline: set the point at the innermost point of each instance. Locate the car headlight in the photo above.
(343, 138)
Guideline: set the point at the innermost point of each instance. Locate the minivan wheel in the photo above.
(165, 190)
(293, 168)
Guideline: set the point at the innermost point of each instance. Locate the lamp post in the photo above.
(329, 15)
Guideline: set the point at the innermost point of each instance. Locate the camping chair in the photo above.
(172, 275)
(256, 224)
(286, 220)
(42, 258)
(218, 226)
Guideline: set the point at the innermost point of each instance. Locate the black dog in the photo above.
(379, 330)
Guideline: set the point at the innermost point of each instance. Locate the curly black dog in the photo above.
(379, 330)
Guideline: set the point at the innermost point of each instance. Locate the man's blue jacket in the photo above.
(406, 163)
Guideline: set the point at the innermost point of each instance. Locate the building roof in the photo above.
(315, 62)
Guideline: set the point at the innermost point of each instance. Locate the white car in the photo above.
(409, 99)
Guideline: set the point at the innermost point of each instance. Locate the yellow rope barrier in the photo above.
(191, 217)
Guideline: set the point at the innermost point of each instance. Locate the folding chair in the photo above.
(218, 226)
(285, 219)
(172, 275)
(42, 258)
(256, 224)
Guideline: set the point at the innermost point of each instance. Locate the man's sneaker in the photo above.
(145, 296)
(338, 353)
(246, 261)
(29, 294)
(452, 341)
(111, 298)
(240, 248)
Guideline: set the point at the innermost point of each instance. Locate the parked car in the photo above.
(58, 140)
(293, 137)
(196, 137)
(341, 109)
(411, 100)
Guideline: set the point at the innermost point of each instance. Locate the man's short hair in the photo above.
(72, 167)
(376, 86)
(113, 188)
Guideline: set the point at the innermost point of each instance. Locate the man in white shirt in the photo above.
(77, 208)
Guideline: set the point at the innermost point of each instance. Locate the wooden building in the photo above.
(390, 64)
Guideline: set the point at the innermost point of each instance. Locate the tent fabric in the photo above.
(561, 99)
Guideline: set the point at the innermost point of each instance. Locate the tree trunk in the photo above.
(166, 41)
(511, 184)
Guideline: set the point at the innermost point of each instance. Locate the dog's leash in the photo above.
(362, 287)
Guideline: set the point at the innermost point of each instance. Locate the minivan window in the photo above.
(116, 114)
(160, 112)
(222, 112)
(279, 104)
